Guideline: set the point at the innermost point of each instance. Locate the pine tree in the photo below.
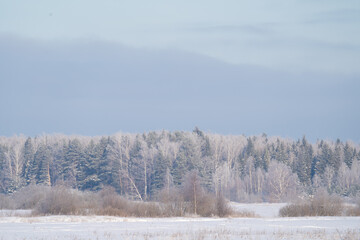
(281, 152)
(87, 170)
(137, 167)
(32, 168)
(338, 156)
(348, 154)
(28, 155)
(7, 184)
(42, 158)
(73, 156)
(158, 176)
(303, 164)
(179, 168)
(266, 160)
(204, 141)
(250, 148)
(104, 163)
(323, 159)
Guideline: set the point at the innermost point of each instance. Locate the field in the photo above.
(265, 226)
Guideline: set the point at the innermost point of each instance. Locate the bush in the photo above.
(61, 201)
(206, 206)
(30, 196)
(145, 209)
(172, 202)
(321, 205)
(176, 202)
(112, 204)
(6, 202)
(115, 205)
(222, 207)
(354, 210)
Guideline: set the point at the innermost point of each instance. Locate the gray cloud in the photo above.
(99, 88)
(253, 29)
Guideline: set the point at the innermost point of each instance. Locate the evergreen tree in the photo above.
(258, 160)
(137, 166)
(348, 154)
(7, 184)
(105, 165)
(281, 152)
(28, 155)
(338, 156)
(303, 164)
(250, 148)
(179, 169)
(32, 170)
(266, 160)
(87, 170)
(158, 176)
(42, 158)
(58, 157)
(73, 156)
(323, 159)
(204, 141)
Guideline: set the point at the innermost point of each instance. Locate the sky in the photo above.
(285, 68)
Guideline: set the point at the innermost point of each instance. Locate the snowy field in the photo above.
(101, 227)
(260, 209)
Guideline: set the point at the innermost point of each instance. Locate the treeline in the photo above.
(139, 166)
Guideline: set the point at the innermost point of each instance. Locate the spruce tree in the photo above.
(42, 158)
(28, 156)
(88, 178)
(7, 184)
(158, 176)
(104, 163)
(73, 156)
(348, 154)
(303, 162)
(179, 168)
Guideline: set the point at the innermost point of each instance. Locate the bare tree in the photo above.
(281, 182)
(192, 189)
(328, 178)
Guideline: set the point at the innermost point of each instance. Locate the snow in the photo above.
(15, 213)
(107, 227)
(260, 209)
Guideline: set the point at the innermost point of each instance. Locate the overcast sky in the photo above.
(285, 68)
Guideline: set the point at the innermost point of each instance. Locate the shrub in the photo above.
(354, 210)
(61, 201)
(6, 202)
(172, 202)
(30, 196)
(222, 207)
(110, 203)
(206, 206)
(321, 205)
(145, 209)
(114, 205)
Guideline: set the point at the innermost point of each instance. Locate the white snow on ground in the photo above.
(260, 209)
(116, 228)
(15, 213)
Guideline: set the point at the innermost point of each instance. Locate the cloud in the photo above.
(338, 16)
(253, 29)
(93, 88)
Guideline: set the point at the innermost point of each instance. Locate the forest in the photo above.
(139, 166)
